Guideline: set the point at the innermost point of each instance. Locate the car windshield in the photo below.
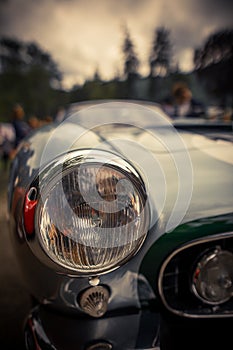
(138, 113)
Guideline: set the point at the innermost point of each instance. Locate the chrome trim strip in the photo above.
(205, 239)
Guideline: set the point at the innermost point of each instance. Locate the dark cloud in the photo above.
(221, 8)
(82, 35)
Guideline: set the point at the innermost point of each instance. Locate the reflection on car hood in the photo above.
(172, 163)
(211, 162)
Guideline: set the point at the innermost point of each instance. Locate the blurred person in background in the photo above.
(46, 120)
(34, 122)
(181, 103)
(21, 127)
(7, 141)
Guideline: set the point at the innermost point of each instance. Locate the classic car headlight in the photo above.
(92, 213)
(213, 277)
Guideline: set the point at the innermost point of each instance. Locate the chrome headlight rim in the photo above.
(202, 263)
(47, 180)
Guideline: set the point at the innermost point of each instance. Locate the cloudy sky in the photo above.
(83, 35)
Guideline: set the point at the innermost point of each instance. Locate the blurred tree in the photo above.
(97, 76)
(37, 57)
(131, 61)
(10, 54)
(217, 47)
(28, 75)
(131, 65)
(161, 53)
(214, 65)
(92, 90)
(19, 56)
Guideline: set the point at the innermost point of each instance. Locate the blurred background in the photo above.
(55, 52)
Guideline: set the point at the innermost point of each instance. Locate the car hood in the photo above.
(188, 175)
(185, 170)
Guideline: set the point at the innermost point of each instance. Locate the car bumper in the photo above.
(46, 329)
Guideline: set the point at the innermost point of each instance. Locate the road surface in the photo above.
(14, 301)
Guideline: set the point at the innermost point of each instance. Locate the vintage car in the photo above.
(122, 223)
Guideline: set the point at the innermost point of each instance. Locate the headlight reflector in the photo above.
(92, 216)
(213, 277)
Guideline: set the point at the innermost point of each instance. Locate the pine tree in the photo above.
(131, 61)
(161, 53)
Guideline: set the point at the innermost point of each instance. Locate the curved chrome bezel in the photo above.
(51, 173)
(202, 262)
(213, 238)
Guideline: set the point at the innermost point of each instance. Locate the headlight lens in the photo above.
(92, 216)
(213, 277)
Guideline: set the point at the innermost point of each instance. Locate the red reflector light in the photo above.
(29, 210)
